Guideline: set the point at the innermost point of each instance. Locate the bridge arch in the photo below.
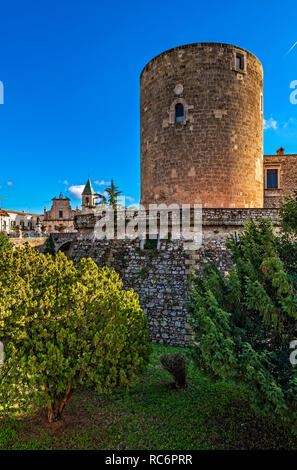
(63, 241)
(65, 248)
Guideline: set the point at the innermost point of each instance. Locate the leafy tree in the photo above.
(111, 199)
(64, 325)
(243, 323)
(287, 240)
(288, 213)
(50, 246)
(5, 243)
(113, 195)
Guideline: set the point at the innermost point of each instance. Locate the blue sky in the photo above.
(70, 70)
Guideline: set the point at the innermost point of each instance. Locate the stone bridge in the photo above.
(63, 241)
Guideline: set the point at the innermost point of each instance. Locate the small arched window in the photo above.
(179, 113)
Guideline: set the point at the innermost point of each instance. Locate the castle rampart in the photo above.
(201, 111)
(160, 275)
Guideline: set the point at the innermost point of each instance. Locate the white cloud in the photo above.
(130, 199)
(102, 183)
(76, 190)
(9, 183)
(270, 124)
(135, 206)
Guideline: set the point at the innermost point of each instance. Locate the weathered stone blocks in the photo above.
(215, 156)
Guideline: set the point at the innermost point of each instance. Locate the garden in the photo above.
(79, 371)
(153, 416)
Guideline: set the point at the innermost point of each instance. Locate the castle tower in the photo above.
(201, 117)
(88, 196)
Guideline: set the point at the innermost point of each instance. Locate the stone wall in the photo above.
(38, 242)
(222, 221)
(160, 275)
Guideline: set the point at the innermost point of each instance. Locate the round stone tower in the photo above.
(201, 117)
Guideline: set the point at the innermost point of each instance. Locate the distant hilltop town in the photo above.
(60, 218)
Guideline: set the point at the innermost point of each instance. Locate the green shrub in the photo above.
(176, 365)
(151, 244)
(287, 241)
(243, 324)
(50, 246)
(5, 243)
(64, 325)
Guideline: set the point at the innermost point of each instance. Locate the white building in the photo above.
(4, 220)
(11, 221)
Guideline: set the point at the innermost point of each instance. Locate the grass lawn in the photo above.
(153, 416)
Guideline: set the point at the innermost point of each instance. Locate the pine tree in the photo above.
(243, 324)
(287, 241)
(288, 213)
(111, 197)
(50, 246)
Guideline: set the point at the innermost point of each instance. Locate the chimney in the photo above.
(280, 151)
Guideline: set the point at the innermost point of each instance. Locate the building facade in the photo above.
(60, 217)
(280, 177)
(20, 223)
